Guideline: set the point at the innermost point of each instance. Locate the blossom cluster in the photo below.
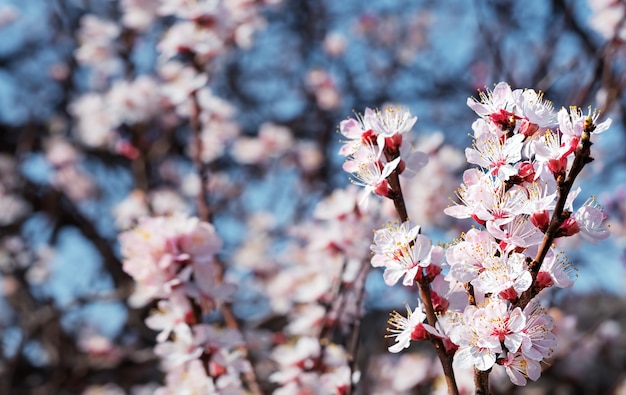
(319, 287)
(479, 294)
(172, 261)
(196, 35)
(373, 149)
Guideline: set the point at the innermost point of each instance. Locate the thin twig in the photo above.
(204, 213)
(424, 286)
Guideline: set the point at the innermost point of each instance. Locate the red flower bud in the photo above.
(541, 219)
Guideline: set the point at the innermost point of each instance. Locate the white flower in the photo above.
(590, 219)
(518, 233)
(534, 108)
(465, 335)
(466, 258)
(390, 121)
(412, 161)
(369, 172)
(504, 274)
(484, 329)
(485, 198)
(501, 98)
(402, 251)
(490, 153)
(540, 340)
(518, 368)
(407, 328)
(556, 271)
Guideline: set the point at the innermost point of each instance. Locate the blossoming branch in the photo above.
(479, 296)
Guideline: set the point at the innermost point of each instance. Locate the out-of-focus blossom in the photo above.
(139, 14)
(12, 208)
(273, 141)
(324, 88)
(100, 349)
(97, 48)
(335, 44)
(128, 211)
(106, 389)
(179, 81)
(8, 14)
(132, 102)
(166, 201)
(607, 18)
(95, 124)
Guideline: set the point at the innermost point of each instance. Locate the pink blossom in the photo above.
(8, 14)
(556, 270)
(466, 337)
(189, 378)
(406, 329)
(484, 329)
(171, 312)
(130, 209)
(590, 219)
(534, 108)
(369, 172)
(540, 340)
(505, 275)
(189, 37)
(132, 102)
(467, 256)
(293, 358)
(180, 81)
(486, 199)
(339, 203)
(97, 46)
(95, 124)
(391, 121)
(402, 251)
(518, 233)
(490, 153)
(358, 131)
(412, 161)
(12, 208)
(606, 18)
(551, 152)
(206, 289)
(519, 368)
(335, 44)
(501, 98)
(139, 14)
(182, 349)
(309, 156)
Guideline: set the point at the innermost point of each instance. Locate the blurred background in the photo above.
(96, 131)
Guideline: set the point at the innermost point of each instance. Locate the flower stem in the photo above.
(444, 357)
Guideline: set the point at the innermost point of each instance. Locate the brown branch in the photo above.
(204, 213)
(353, 347)
(582, 157)
(398, 199)
(481, 381)
(424, 286)
(202, 198)
(444, 357)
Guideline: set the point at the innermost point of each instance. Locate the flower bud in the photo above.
(541, 219)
